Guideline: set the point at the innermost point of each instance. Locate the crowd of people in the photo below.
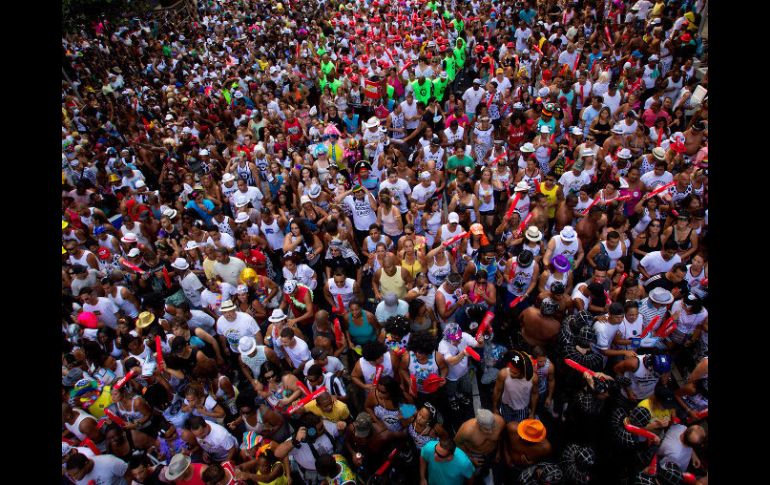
(349, 241)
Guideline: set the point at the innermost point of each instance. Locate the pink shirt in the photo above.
(649, 117)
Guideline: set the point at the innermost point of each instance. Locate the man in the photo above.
(217, 443)
(590, 113)
(313, 432)
(104, 309)
(296, 350)
(330, 409)
(538, 325)
(459, 387)
(411, 115)
(459, 159)
(655, 305)
(298, 299)
(390, 305)
(84, 277)
(442, 463)
(339, 285)
(390, 279)
(607, 252)
(219, 239)
(672, 280)
(369, 442)
(642, 374)
(679, 445)
(521, 275)
(472, 97)
(363, 206)
(82, 425)
(182, 470)
(189, 281)
(480, 438)
(101, 469)
(232, 325)
(662, 261)
(657, 177)
(228, 268)
(606, 327)
(527, 443)
(567, 244)
(575, 178)
(399, 189)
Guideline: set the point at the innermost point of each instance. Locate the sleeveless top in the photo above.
(446, 234)
(483, 192)
(389, 225)
(75, 427)
(128, 308)
(346, 292)
(516, 393)
(422, 371)
(614, 255)
(450, 298)
(131, 416)
(361, 334)
(542, 377)
(245, 174)
(419, 439)
(273, 234)
(368, 370)
(393, 284)
(551, 195)
(521, 280)
(568, 250)
(643, 381)
(389, 417)
(438, 273)
(552, 279)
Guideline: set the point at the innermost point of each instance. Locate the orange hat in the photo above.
(478, 230)
(531, 430)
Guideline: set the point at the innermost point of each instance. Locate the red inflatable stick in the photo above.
(579, 367)
(516, 301)
(337, 330)
(472, 353)
(91, 446)
(661, 189)
(340, 308)
(649, 435)
(455, 239)
(303, 388)
(131, 266)
(536, 48)
(704, 282)
(524, 223)
(498, 158)
(115, 418)
(382, 469)
(406, 66)
(513, 206)
(593, 203)
(653, 468)
(622, 198)
(649, 327)
(377, 374)
(607, 32)
(622, 280)
(159, 354)
(485, 323)
(294, 407)
(664, 328)
(125, 379)
(688, 478)
(699, 415)
(607, 297)
(577, 63)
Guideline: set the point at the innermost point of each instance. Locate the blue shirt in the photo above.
(207, 203)
(351, 124)
(452, 472)
(528, 15)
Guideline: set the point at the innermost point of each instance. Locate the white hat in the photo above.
(518, 105)
(277, 315)
(543, 92)
(627, 65)
(624, 153)
(170, 213)
(653, 58)
(425, 175)
(576, 131)
(527, 148)
(191, 245)
(177, 467)
(140, 184)
(241, 217)
(169, 117)
(568, 234)
(617, 129)
(133, 253)
(228, 177)
(246, 345)
(148, 368)
(203, 152)
(315, 191)
(533, 234)
(227, 306)
(289, 286)
(587, 152)
(186, 130)
(241, 201)
(545, 129)
(180, 264)
(521, 187)
(129, 237)
(372, 123)
(305, 199)
(453, 217)
(525, 51)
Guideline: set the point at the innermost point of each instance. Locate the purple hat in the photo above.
(561, 263)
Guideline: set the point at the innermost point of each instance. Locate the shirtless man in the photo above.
(693, 138)
(589, 228)
(559, 295)
(479, 438)
(539, 211)
(527, 444)
(538, 325)
(565, 212)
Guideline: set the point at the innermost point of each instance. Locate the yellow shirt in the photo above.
(208, 268)
(658, 412)
(339, 411)
(551, 195)
(412, 269)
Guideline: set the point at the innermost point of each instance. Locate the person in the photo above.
(516, 394)
(335, 469)
(99, 469)
(315, 433)
(217, 444)
(659, 261)
(680, 445)
(452, 347)
(442, 462)
(527, 443)
(480, 439)
(643, 374)
(390, 306)
(182, 470)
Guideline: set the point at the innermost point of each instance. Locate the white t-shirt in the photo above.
(363, 214)
(299, 353)
(448, 349)
(410, 110)
(421, 194)
(333, 365)
(652, 181)
(108, 470)
(225, 240)
(105, 311)
(521, 37)
(253, 194)
(605, 334)
(231, 271)
(305, 458)
(472, 97)
(571, 183)
(243, 326)
(401, 189)
(672, 450)
(654, 263)
(218, 442)
(192, 287)
(201, 319)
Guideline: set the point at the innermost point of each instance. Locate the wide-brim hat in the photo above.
(144, 320)
(177, 467)
(531, 430)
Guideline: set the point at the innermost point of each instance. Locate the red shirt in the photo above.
(293, 130)
(516, 135)
(196, 476)
(253, 258)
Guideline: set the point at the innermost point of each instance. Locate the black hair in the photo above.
(372, 351)
(76, 462)
(671, 244)
(195, 422)
(139, 460)
(422, 342)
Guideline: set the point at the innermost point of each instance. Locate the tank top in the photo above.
(137, 231)
(521, 280)
(75, 427)
(371, 245)
(82, 260)
(432, 224)
(451, 299)
(245, 174)
(484, 192)
(694, 280)
(553, 279)
(683, 245)
(542, 377)
(125, 305)
(614, 255)
(389, 225)
(273, 234)
(224, 226)
(643, 381)
(389, 417)
(522, 207)
(131, 416)
(346, 292)
(516, 393)
(629, 330)
(392, 284)
(420, 439)
(551, 196)
(422, 371)
(413, 268)
(567, 250)
(254, 363)
(438, 273)
(446, 234)
(368, 370)
(361, 334)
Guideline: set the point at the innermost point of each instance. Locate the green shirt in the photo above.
(391, 90)
(334, 85)
(459, 25)
(327, 67)
(460, 54)
(422, 91)
(439, 87)
(451, 67)
(453, 163)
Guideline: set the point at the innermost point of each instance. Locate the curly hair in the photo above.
(397, 325)
(422, 342)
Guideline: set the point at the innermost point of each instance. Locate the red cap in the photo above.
(348, 70)
(685, 38)
(338, 14)
(490, 49)
(479, 48)
(364, 58)
(442, 48)
(104, 253)
(510, 45)
(375, 19)
(354, 79)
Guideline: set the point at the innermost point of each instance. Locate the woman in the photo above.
(480, 290)
(601, 125)
(647, 242)
(198, 339)
(697, 272)
(411, 259)
(217, 384)
(431, 219)
(440, 263)
(516, 385)
(659, 132)
(199, 403)
(485, 191)
(140, 420)
(268, 470)
(383, 405)
(389, 216)
(559, 270)
(422, 290)
(106, 338)
(420, 362)
(465, 204)
(631, 290)
(374, 239)
(308, 210)
(630, 328)
(303, 243)
(685, 237)
(257, 417)
(249, 304)
(321, 164)
(638, 141)
(279, 391)
(292, 270)
(632, 187)
(647, 208)
(424, 426)
(482, 139)
(531, 175)
(360, 326)
(211, 189)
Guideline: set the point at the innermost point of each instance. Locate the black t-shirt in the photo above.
(660, 281)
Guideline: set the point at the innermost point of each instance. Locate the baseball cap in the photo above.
(362, 425)
(318, 353)
(453, 217)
